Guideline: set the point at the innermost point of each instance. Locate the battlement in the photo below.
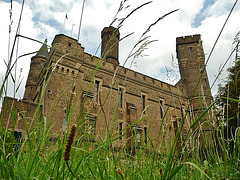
(188, 39)
(110, 30)
(68, 45)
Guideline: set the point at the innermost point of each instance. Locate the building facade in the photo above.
(67, 85)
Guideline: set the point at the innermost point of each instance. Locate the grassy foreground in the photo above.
(69, 157)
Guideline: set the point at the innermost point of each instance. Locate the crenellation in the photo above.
(188, 39)
(127, 95)
(68, 46)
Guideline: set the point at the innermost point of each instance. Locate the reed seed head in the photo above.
(68, 147)
(41, 154)
(161, 171)
(206, 171)
(119, 171)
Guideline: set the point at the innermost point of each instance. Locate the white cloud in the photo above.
(45, 18)
(22, 47)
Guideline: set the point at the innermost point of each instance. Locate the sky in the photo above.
(44, 19)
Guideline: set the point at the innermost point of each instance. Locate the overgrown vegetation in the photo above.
(229, 96)
(69, 157)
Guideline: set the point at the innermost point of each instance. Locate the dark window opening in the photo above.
(205, 80)
(161, 109)
(18, 137)
(191, 50)
(121, 97)
(143, 103)
(182, 112)
(120, 129)
(175, 126)
(145, 135)
(96, 90)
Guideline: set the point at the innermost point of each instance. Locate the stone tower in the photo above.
(191, 61)
(37, 63)
(110, 40)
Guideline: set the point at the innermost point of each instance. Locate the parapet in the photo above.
(68, 45)
(188, 39)
(110, 29)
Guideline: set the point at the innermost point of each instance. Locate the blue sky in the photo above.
(201, 16)
(44, 19)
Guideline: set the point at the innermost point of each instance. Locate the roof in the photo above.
(43, 50)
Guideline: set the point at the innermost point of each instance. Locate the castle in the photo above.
(68, 85)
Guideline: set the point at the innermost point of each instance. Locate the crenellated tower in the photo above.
(191, 60)
(37, 64)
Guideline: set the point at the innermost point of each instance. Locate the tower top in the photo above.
(111, 30)
(188, 39)
(110, 43)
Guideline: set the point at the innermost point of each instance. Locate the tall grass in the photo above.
(41, 158)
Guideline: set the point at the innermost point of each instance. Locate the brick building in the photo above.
(68, 85)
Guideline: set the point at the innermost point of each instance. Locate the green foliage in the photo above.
(229, 95)
(42, 158)
(7, 141)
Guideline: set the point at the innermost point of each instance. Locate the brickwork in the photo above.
(17, 113)
(114, 96)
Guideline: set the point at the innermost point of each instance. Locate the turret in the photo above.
(191, 60)
(37, 63)
(110, 39)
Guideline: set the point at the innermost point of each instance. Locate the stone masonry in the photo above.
(68, 85)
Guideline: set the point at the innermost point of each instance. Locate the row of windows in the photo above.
(137, 133)
(90, 129)
(96, 94)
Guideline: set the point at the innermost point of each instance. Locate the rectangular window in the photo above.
(90, 125)
(145, 135)
(120, 129)
(143, 103)
(175, 126)
(96, 90)
(18, 138)
(182, 112)
(190, 50)
(64, 120)
(161, 109)
(121, 97)
(138, 136)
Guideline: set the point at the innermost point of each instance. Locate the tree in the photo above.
(230, 97)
